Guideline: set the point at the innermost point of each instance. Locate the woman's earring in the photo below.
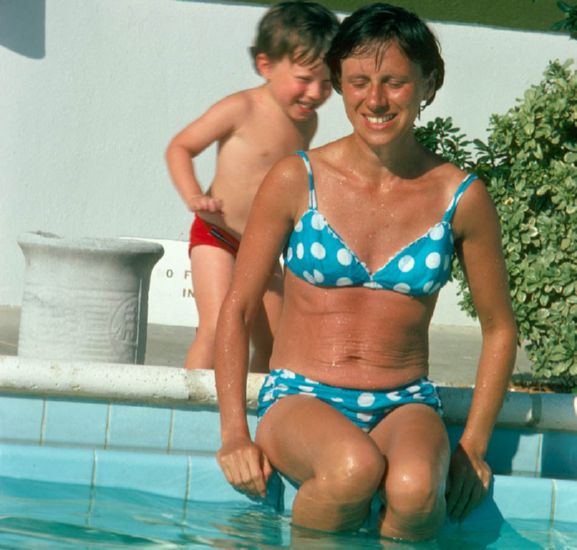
(422, 106)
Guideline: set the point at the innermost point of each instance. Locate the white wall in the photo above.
(85, 123)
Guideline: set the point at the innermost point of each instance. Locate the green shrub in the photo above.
(530, 166)
(442, 137)
(569, 22)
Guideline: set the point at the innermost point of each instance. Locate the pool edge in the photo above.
(162, 384)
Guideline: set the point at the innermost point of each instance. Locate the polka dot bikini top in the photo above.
(317, 254)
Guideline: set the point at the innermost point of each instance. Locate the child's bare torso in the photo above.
(264, 135)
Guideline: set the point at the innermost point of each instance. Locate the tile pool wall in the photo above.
(176, 428)
(156, 429)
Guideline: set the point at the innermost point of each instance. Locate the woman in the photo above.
(368, 225)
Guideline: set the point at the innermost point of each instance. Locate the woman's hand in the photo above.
(469, 480)
(245, 466)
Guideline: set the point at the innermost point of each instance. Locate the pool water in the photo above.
(38, 514)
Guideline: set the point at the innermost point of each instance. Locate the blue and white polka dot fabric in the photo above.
(317, 254)
(365, 408)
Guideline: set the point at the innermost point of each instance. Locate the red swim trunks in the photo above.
(203, 232)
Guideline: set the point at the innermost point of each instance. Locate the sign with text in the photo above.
(171, 294)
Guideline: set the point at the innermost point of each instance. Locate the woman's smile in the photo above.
(380, 122)
(382, 92)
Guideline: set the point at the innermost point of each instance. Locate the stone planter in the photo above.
(85, 299)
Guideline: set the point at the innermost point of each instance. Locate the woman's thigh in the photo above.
(303, 437)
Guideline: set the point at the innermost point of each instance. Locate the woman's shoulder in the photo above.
(450, 179)
(466, 184)
(291, 166)
(474, 205)
(286, 185)
(288, 173)
(331, 154)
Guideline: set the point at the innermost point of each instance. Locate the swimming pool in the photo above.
(106, 456)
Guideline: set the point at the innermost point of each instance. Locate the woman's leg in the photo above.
(211, 270)
(414, 442)
(338, 466)
(264, 326)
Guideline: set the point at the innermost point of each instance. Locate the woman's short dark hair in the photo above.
(370, 27)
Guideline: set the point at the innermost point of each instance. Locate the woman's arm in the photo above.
(270, 221)
(481, 255)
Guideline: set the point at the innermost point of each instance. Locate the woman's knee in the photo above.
(414, 489)
(355, 474)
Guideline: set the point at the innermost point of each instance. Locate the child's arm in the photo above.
(215, 125)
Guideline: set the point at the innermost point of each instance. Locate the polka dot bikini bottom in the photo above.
(365, 408)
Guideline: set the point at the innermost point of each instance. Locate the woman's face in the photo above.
(382, 92)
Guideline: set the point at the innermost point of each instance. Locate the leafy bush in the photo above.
(530, 166)
(442, 137)
(569, 23)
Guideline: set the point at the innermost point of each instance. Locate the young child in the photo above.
(253, 128)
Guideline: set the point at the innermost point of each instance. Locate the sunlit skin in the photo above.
(298, 89)
(382, 96)
(253, 129)
(379, 189)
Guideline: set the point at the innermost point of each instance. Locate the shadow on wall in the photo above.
(22, 27)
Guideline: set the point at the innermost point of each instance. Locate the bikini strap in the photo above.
(312, 194)
(457, 196)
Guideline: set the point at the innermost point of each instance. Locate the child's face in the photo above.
(298, 89)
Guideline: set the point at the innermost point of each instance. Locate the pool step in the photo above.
(197, 477)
